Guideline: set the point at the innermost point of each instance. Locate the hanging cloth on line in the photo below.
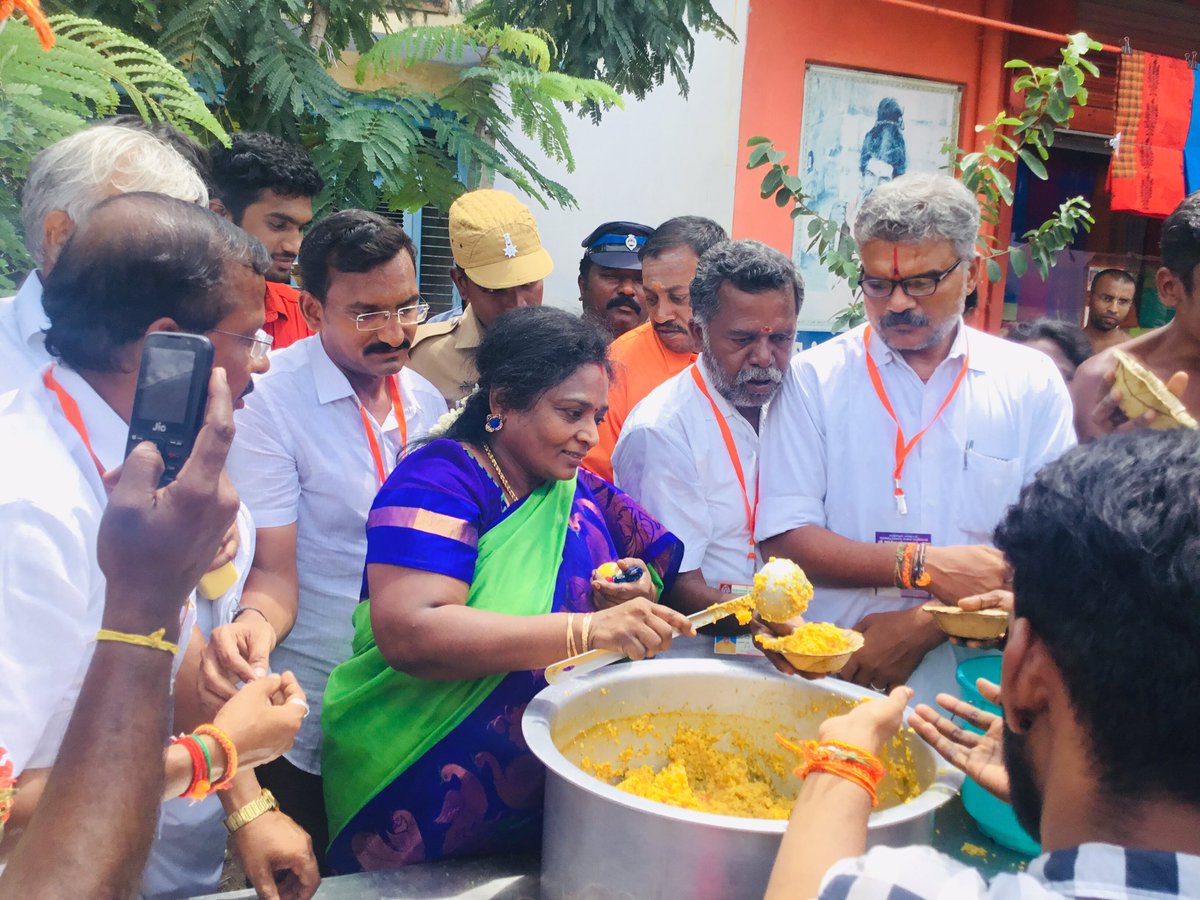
(1154, 109)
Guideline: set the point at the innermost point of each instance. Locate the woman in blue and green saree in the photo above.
(481, 549)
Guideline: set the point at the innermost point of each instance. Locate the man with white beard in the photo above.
(689, 451)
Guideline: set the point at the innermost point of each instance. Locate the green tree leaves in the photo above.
(46, 95)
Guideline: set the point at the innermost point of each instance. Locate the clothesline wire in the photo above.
(1125, 47)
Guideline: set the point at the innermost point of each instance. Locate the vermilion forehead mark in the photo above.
(895, 262)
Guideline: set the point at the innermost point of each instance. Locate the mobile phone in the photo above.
(628, 576)
(172, 393)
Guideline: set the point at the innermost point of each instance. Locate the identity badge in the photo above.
(742, 644)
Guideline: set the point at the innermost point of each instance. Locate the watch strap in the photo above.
(263, 803)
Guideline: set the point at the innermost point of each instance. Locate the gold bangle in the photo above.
(260, 805)
(154, 640)
(587, 627)
(571, 650)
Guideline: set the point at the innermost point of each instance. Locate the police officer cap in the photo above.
(616, 244)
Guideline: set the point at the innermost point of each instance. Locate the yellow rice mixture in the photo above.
(703, 778)
(810, 639)
(738, 782)
(781, 590)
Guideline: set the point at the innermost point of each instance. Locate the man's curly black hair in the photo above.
(258, 162)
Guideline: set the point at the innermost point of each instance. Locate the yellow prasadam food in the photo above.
(606, 571)
(711, 767)
(810, 639)
(815, 647)
(781, 590)
(1142, 390)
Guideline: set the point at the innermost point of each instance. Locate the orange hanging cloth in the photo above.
(37, 18)
(1154, 106)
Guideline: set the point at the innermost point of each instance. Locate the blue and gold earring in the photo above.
(493, 423)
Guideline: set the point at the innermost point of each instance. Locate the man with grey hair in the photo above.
(894, 449)
(66, 182)
(689, 450)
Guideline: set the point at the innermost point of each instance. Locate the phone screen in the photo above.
(166, 380)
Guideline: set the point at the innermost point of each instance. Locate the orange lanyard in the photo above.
(70, 409)
(903, 448)
(373, 440)
(731, 448)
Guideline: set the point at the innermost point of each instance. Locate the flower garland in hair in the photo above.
(8, 789)
(443, 425)
(37, 18)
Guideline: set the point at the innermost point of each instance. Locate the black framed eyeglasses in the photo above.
(407, 315)
(916, 286)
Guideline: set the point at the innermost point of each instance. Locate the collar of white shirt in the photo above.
(728, 410)
(31, 316)
(885, 355)
(106, 430)
(332, 383)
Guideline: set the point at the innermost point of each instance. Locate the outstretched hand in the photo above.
(980, 756)
(869, 725)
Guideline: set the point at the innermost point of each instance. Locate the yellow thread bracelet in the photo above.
(154, 640)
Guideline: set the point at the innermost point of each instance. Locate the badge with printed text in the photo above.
(735, 645)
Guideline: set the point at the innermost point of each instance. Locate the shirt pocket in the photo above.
(988, 486)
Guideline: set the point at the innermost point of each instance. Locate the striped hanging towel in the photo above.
(1154, 108)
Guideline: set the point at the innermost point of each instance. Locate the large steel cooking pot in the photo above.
(602, 843)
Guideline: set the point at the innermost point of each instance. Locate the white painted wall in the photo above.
(658, 158)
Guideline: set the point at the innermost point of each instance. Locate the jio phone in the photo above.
(172, 393)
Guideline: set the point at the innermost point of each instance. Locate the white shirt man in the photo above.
(689, 451)
(52, 600)
(22, 344)
(672, 457)
(828, 457)
(302, 457)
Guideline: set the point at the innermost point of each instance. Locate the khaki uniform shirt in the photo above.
(444, 352)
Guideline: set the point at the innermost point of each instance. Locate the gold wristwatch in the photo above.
(263, 803)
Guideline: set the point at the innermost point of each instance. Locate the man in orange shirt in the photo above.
(651, 353)
(266, 186)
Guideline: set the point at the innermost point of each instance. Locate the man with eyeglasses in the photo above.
(315, 442)
(138, 263)
(892, 451)
(499, 265)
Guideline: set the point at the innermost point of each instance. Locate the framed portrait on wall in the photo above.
(859, 129)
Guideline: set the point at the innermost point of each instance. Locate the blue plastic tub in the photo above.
(994, 817)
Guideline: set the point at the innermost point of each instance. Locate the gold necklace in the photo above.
(512, 495)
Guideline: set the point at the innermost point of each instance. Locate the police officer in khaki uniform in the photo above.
(499, 265)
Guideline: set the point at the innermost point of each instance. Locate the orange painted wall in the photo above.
(785, 35)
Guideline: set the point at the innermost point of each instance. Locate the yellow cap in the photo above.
(495, 240)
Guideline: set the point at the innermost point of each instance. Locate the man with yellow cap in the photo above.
(499, 265)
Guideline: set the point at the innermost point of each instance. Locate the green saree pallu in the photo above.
(378, 721)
